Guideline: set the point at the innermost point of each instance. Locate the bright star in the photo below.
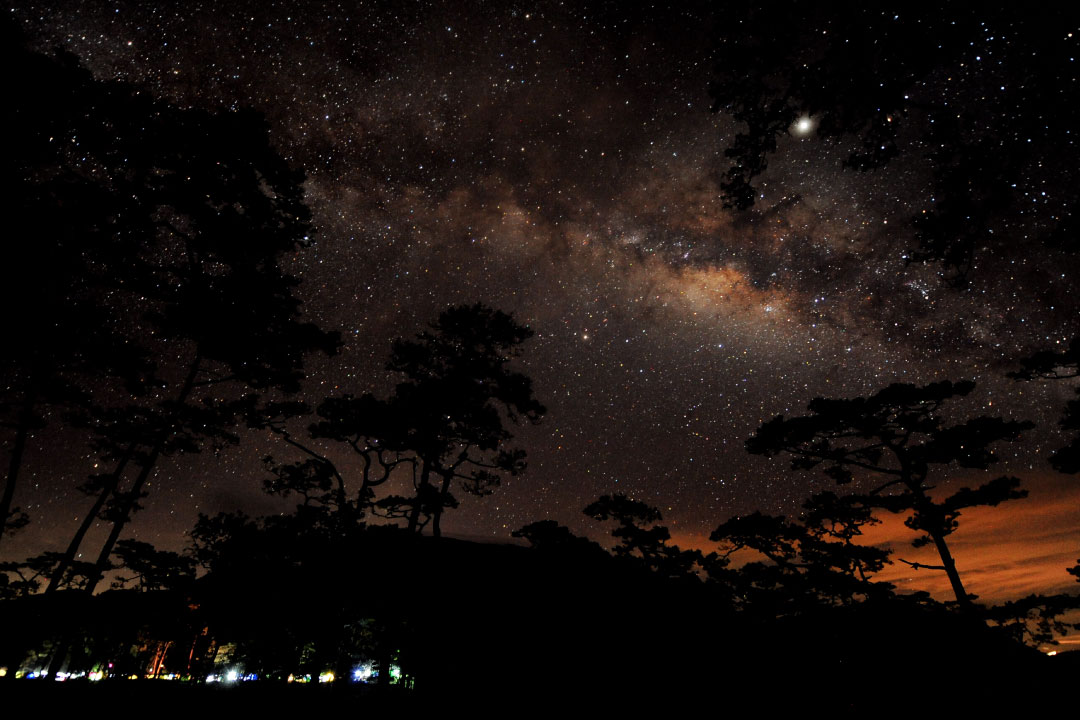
(803, 126)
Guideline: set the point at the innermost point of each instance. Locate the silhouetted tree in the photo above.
(221, 209)
(458, 389)
(167, 228)
(361, 424)
(446, 423)
(1035, 619)
(229, 208)
(270, 568)
(641, 536)
(892, 79)
(898, 434)
(1064, 365)
(26, 577)
(550, 536)
(148, 568)
(62, 330)
(809, 563)
(304, 610)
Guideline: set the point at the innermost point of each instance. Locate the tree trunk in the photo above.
(444, 492)
(88, 522)
(121, 522)
(26, 416)
(425, 481)
(383, 654)
(950, 570)
(56, 662)
(133, 494)
(926, 507)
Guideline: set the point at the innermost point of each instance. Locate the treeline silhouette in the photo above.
(288, 600)
(320, 591)
(153, 315)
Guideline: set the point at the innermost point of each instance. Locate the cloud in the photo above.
(1005, 552)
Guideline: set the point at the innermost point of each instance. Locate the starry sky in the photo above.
(560, 161)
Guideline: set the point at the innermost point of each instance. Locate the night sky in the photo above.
(560, 161)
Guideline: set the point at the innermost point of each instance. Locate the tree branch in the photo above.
(921, 566)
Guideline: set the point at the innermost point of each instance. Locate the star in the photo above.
(804, 126)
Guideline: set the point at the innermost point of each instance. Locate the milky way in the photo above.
(562, 164)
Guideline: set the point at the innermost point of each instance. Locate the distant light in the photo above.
(1052, 653)
(232, 676)
(326, 677)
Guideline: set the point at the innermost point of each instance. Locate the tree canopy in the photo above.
(155, 285)
(1059, 365)
(446, 423)
(898, 434)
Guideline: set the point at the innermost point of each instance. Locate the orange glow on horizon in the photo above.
(1003, 553)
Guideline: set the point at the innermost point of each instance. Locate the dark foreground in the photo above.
(513, 629)
(1042, 683)
(178, 697)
